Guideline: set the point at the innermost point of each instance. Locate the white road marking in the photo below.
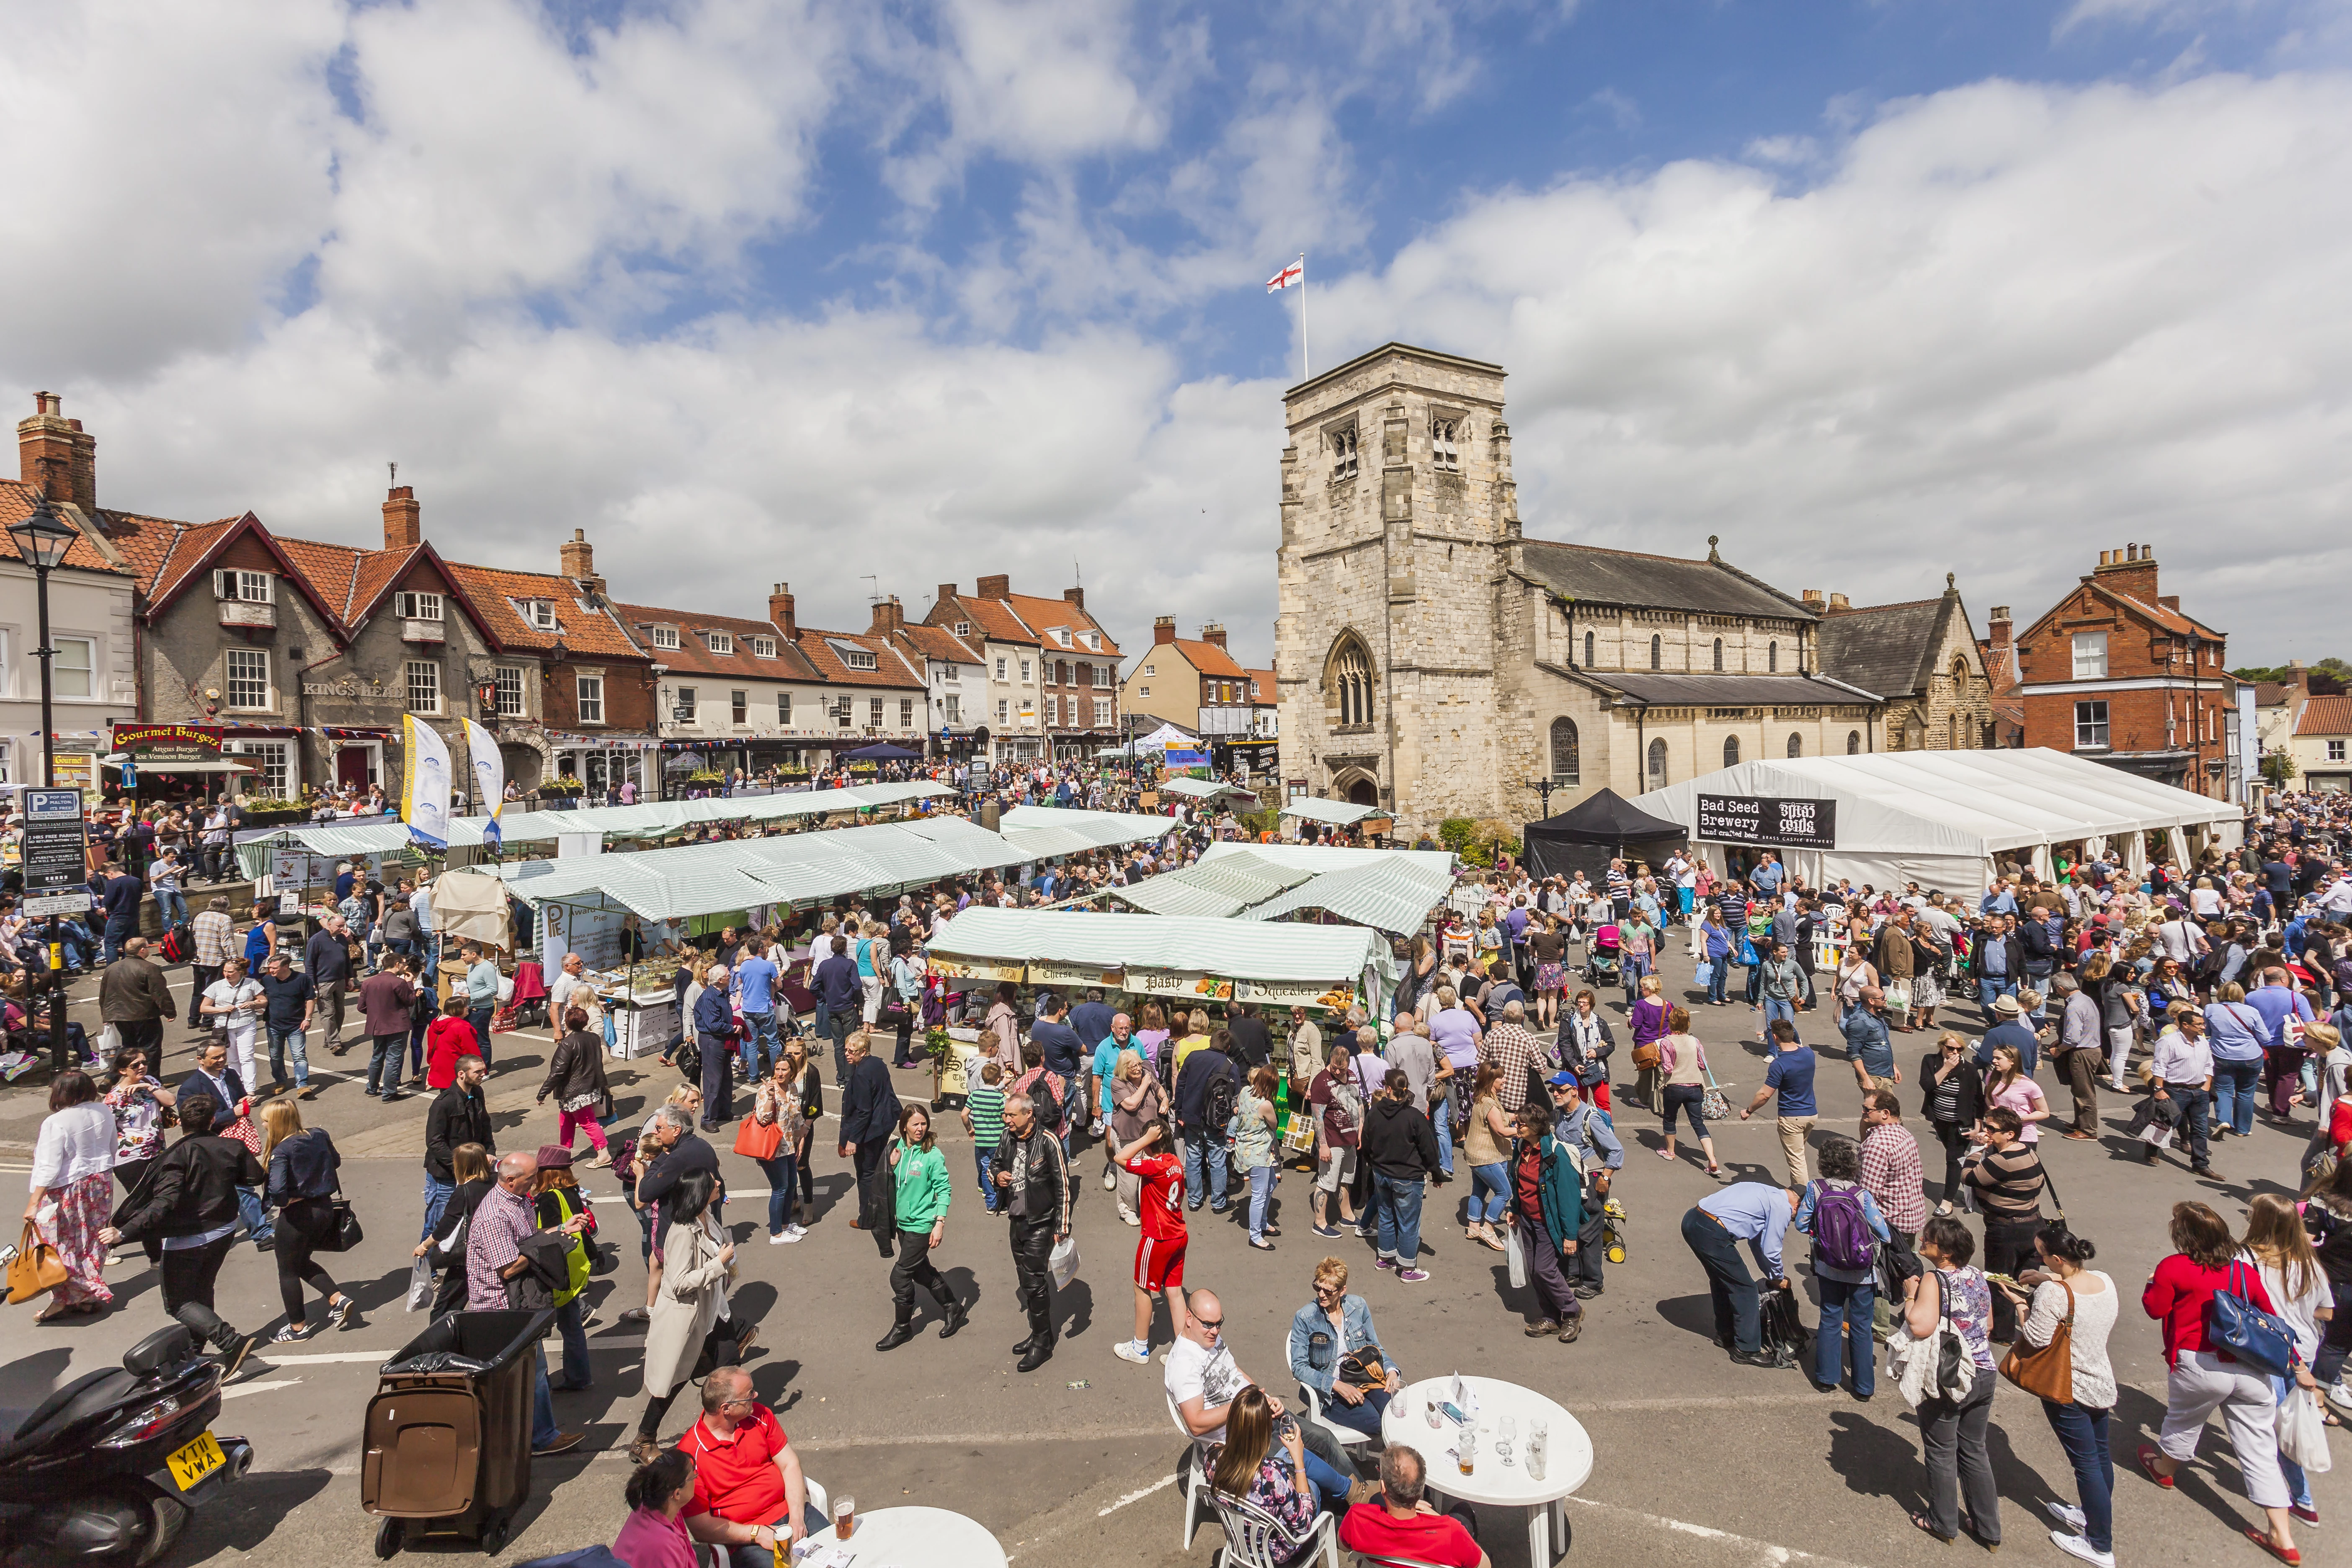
(331, 1358)
(242, 1389)
(1138, 1496)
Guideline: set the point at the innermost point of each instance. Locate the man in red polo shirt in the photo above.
(748, 1489)
(1400, 1523)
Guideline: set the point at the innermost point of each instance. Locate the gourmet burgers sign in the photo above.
(1774, 821)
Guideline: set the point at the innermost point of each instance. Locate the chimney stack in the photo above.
(1163, 629)
(995, 588)
(1815, 599)
(889, 617)
(1839, 601)
(1214, 635)
(55, 455)
(2131, 570)
(579, 558)
(1075, 597)
(403, 526)
(1997, 626)
(780, 610)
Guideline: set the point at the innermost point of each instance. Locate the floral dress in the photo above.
(1276, 1489)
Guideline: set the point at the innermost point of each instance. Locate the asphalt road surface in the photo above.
(1698, 1461)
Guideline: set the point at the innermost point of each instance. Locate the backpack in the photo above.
(1046, 1104)
(1217, 1106)
(1841, 1237)
(178, 944)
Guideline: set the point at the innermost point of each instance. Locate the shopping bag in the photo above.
(421, 1284)
(1703, 973)
(2302, 1430)
(110, 1040)
(34, 1267)
(1518, 1257)
(1063, 1264)
(1715, 1105)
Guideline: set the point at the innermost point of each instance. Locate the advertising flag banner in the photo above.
(425, 788)
(489, 779)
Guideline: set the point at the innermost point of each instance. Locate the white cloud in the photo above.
(2011, 325)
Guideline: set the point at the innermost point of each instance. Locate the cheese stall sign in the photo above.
(1054, 971)
(1770, 821)
(977, 969)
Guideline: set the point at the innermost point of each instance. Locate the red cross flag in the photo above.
(1294, 273)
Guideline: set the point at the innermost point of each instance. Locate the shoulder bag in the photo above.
(344, 1232)
(756, 1141)
(2260, 1339)
(2048, 1372)
(34, 1267)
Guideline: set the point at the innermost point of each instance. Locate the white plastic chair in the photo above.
(707, 1556)
(1193, 1478)
(1255, 1539)
(1347, 1436)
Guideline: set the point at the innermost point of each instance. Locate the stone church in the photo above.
(1437, 662)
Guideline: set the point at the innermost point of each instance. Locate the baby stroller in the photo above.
(1605, 959)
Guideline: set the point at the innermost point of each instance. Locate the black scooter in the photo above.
(108, 1468)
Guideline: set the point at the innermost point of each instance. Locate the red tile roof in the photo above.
(1262, 684)
(1210, 659)
(893, 666)
(2325, 716)
(17, 504)
(2270, 693)
(1044, 614)
(2170, 620)
(584, 627)
(993, 618)
(693, 656)
(940, 643)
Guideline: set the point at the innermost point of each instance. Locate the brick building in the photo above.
(2117, 671)
(1053, 671)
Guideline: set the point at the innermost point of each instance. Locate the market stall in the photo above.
(1939, 818)
(1209, 794)
(1602, 826)
(1336, 813)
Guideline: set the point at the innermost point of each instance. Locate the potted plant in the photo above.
(941, 1048)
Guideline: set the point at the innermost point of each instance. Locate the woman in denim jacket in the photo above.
(1331, 1326)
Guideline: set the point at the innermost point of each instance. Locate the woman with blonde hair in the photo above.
(2278, 1246)
(1136, 1103)
(303, 1162)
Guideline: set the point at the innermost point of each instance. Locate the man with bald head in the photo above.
(1203, 1379)
(501, 1222)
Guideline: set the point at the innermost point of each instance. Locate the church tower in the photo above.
(1400, 525)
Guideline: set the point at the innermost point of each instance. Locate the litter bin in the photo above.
(448, 1430)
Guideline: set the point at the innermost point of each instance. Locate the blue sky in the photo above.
(1873, 290)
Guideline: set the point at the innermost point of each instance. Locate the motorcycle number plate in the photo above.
(195, 1461)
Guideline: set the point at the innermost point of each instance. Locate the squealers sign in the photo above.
(1767, 820)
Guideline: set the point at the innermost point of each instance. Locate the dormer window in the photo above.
(1092, 639)
(963, 629)
(1062, 635)
(763, 647)
(245, 587)
(861, 661)
(418, 607)
(718, 642)
(543, 615)
(665, 637)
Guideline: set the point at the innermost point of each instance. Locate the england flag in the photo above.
(1294, 273)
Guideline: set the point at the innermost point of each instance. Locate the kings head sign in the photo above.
(1765, 819)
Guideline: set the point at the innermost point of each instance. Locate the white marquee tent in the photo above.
(1943, 818)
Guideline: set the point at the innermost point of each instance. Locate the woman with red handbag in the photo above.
(772, 1137)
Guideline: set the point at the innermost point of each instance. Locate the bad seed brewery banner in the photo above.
(1773, 822)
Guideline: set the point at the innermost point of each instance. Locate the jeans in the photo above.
(480, 1018)
(1991, 985)
(1364, 1417)
(437, 1193)
(984, 1162)
(281, 1043)
(1849, 1305)
(1495, 1179)
(1953, 1434)
(1330, 1486)
(2298, 1485)
(2234, 1086)
(172, 907)
(1776, 1009)
(1260, 1192)
(1199, 1147)
(2083, 1431)
(2195, 1107)
(1739, 1311)
(2038, 982)
(255, 1218)
(758, 1048)
(1443, 1116)
(543, 1429)
(109, 946)
(781, 1175)
(1718, 972)
(1398, 1202)
(385, 1062)
(568, 1319)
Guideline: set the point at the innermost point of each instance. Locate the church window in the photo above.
(1731, 750)
(1351, 685)
(1343, 453)
(1854, 742)
(1588, 650)
(1444, 435)
(1951, 731)
(1772, 657)
(1796, 744)
(1719, 655)
(1657, 764)
(1657, 651)
(1565, 762)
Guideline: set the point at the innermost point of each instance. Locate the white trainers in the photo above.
(2075, 1546)
(781, 1238)
(1129, 1215)
(1127, 1349)
(1110, 1179)
(795, 1232)
(2067, 1514)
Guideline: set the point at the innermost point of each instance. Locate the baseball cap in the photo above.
(1562, 1080)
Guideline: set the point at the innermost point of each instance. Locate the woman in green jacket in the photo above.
(920, 1178)
(1547, 1210)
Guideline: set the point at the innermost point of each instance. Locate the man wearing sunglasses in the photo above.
(1203, 1379)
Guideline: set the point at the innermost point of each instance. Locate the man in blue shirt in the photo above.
(1867, 1045)
(1756, 1212)
(755, 985)
(2011, 1029)
(1092, 1017)
(2000, 959)
(2279, 1004)
(1767, 875)
(1065, 1054)
(1999, 900)
(1790, 1076)
(837, 990)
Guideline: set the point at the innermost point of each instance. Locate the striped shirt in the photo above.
(986, 1104)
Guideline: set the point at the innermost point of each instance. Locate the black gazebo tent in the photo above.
(882, 752)
(1601, 826)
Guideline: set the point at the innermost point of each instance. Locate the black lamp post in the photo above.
(1543, 787)
(42, 540)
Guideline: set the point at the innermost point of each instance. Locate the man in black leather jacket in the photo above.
(189, 1197)
(1034, 1174)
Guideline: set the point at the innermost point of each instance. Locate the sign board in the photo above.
(599, 936)
(77, 770)
(1296, 992)
(985, 969)
(1045, 971)
(56, 840)
(168, 742)
(292, 869)
(1767, 820)
(1188, 984)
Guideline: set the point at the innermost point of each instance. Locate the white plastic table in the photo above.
(922, 1538)
(1494, 1484)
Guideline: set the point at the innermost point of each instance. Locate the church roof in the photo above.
(1728, 690)
(1589, 573)
(1887, 649)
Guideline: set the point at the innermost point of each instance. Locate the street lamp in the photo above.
(1543, 787)
(42, 540)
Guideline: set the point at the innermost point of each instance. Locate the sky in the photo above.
(873, 296)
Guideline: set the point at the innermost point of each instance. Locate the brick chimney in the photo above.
(1075, 597)
(1214, 635)
(889, 617)
(1839, 601)
(995, 588)
(56, 456)
(780, 610)
(1997, 627)
(403, 528)
(1815, 600)
(579, 558)
(2131, 570)
(1163, 629)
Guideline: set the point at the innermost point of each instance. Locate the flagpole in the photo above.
(1302, 316)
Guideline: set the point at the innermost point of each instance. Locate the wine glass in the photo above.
(1506, 1433)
